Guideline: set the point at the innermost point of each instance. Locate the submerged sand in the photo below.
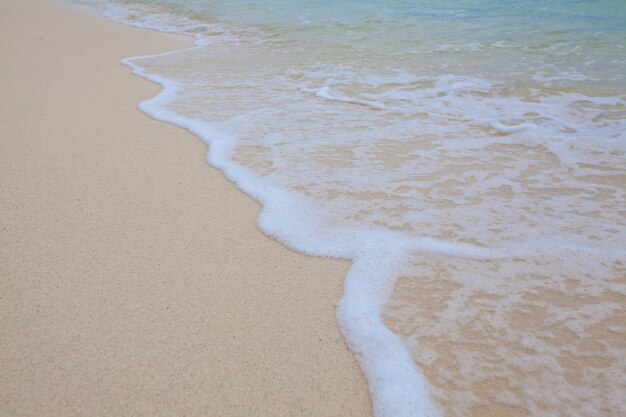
(133, 278)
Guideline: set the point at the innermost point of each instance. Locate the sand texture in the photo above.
(133, 280)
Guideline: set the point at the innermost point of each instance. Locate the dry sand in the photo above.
(133, 278)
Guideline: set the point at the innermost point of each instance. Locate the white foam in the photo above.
(467, 170)
(154, 17)
(396, 385)
(506, 129)
(327, 93)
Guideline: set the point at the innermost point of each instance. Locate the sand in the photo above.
(133, 280)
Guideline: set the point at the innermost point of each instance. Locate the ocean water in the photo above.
(469, 156)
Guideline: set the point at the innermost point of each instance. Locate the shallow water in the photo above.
(469, 156)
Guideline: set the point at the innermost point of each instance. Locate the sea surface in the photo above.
(469, 156)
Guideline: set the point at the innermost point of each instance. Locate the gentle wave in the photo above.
(480, 199)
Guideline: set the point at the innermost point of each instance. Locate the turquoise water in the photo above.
(469, 157)
(567, 40)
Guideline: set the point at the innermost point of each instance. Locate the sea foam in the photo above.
(483, 214)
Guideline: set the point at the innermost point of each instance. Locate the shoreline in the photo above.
(134, 289)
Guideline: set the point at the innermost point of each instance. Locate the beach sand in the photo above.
(133, 278)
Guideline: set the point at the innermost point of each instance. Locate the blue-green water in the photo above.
(469, 157)
(563, 40)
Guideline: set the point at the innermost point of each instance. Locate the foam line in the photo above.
(506, 129)
(450, 169)
(396, 385)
